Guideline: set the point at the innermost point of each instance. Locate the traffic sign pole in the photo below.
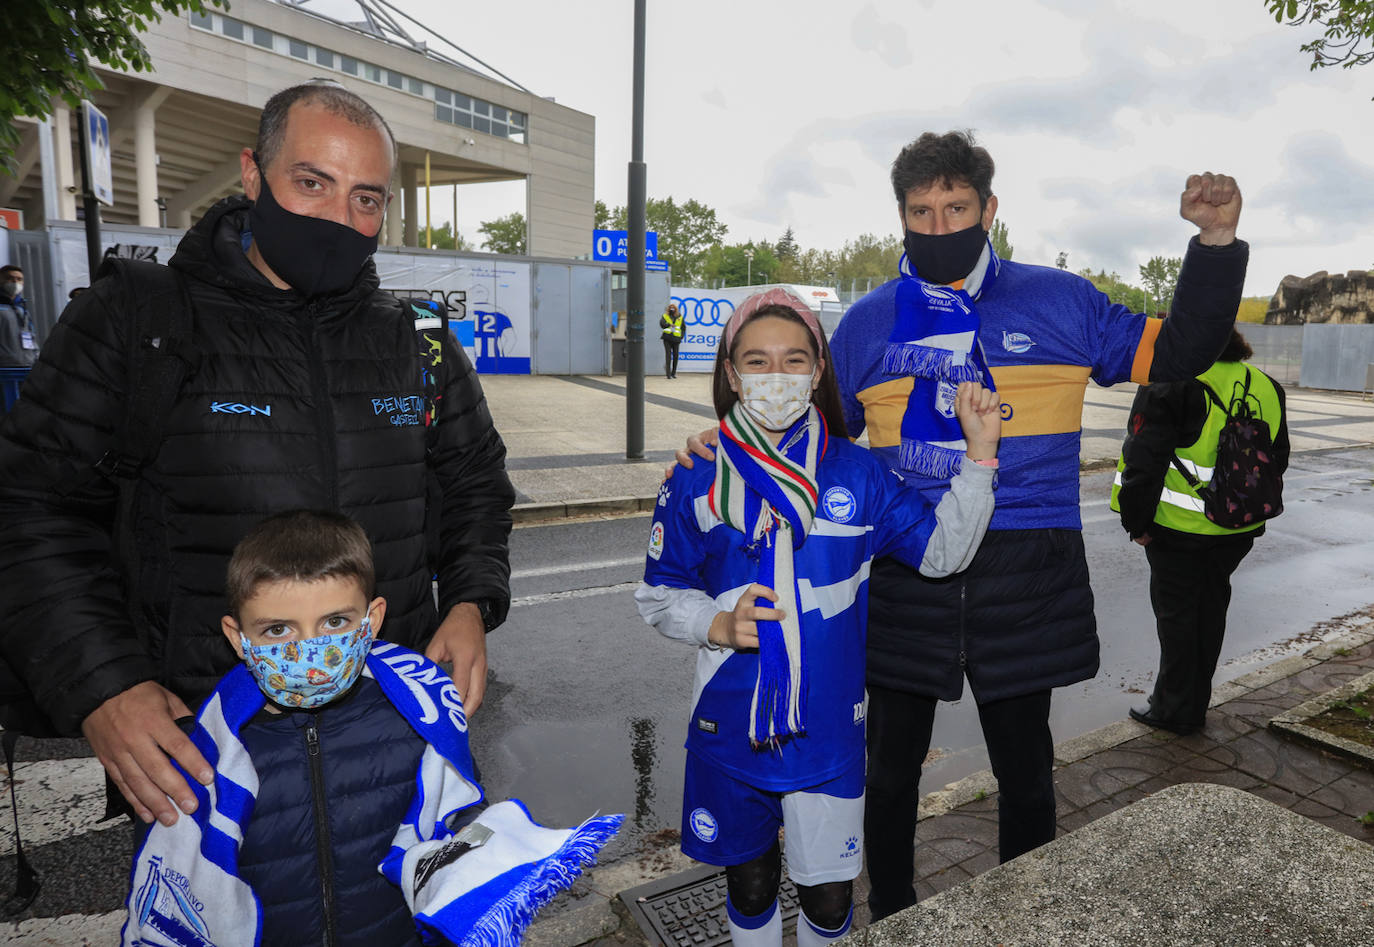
(634, 329)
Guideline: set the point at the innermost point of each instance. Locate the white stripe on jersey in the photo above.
(831, 600)
(824, 527)
(706, 520)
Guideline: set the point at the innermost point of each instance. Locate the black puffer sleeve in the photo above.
(1210, 284)
(469, 462)
(67, 632)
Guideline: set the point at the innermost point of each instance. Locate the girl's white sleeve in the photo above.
(961, 519)
(684, 614)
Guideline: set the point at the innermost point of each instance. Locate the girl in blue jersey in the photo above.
(762, 561)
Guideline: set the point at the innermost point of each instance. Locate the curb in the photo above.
(525, 514)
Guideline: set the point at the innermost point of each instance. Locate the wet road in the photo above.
(586, 706)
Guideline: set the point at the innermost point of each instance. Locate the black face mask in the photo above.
(945, 258)
(313, 255)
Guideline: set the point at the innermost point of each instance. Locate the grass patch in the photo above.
(1352, 719)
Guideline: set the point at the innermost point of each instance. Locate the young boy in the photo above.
(340, 764)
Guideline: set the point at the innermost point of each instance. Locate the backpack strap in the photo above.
(431, 328)
(161, 355)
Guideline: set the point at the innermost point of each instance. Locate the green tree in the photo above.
(504, 234)
(441, 238)
(1116, 289)
(1160, 276)
(685, 231)
(1001, 244)
(786, 247)
(810, 267)
(731, 265)
(1253, 309)
(869, 256)
(601, 217)
(48, 49)
(1348, 37)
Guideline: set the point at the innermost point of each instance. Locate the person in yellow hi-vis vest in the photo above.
(673, 325)
(1191, 558)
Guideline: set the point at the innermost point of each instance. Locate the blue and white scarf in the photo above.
(935, 341)
(769, 494)
(480, 886)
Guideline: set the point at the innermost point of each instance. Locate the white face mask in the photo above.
(775, 399)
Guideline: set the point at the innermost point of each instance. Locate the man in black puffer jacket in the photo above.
(306, 392)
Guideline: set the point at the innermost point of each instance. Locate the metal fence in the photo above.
(1278, 350)
(1336, 356)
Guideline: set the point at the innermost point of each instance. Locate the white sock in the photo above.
(760, 930)
(809, 935)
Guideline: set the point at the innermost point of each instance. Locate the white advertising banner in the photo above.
(488, 301)
(705, 312)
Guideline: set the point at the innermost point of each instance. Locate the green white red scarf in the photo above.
(769, 494)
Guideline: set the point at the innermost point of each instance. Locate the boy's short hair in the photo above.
(299, 546)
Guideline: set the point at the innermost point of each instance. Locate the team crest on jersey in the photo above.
(656, 541)
(1017, 342)
(703, 825)
(838, 504)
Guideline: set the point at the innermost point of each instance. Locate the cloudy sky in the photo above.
(785, 114)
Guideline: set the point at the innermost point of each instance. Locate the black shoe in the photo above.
(1144, 715)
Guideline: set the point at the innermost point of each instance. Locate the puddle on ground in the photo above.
(567, 771)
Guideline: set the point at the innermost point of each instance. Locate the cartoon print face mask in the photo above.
(309, 673)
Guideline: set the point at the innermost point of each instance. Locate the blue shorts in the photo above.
(729, 822)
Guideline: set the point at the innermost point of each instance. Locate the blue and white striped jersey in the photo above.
(697, 566)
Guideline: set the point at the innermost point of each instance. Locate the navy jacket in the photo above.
(328, 805)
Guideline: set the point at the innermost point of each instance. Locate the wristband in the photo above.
(986, 463)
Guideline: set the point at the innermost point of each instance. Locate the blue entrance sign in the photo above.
(613, 246)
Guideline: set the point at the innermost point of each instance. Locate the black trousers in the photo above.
(670, 347)
(1017, 733)
(1190, 589)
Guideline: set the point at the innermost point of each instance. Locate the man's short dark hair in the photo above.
(324, 92)
(299, 546)
(11, 268)
(951, 159)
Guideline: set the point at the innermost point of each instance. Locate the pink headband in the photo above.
(773, 297)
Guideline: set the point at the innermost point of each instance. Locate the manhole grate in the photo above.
(688, 909)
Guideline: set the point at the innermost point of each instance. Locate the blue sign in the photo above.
(659, 265)
(613, 246)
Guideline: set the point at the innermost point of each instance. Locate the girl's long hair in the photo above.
(826, 397)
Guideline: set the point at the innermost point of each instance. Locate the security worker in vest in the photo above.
(1191, 558)
(672, 323)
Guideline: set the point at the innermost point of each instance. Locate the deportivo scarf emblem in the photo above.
(935, 341)
(479, 886)
(769, 494)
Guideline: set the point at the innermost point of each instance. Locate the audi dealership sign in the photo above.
(706, 311)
